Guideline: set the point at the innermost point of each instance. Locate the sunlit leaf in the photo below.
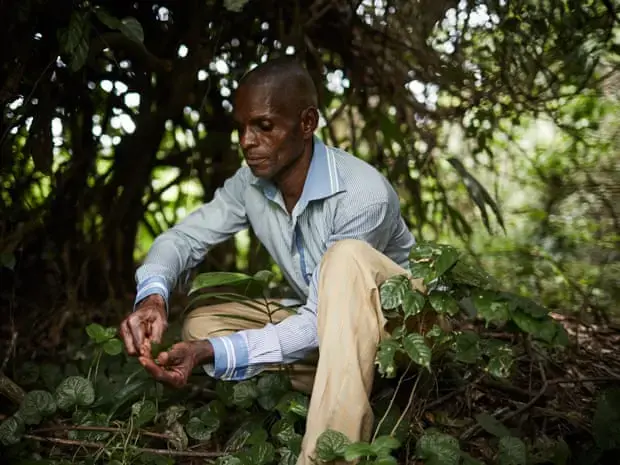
(415, 346)
(113, 346)
(385, 357)
(74, 390)
(358, 450)
(413, 302)
(264, 276)
(143, 412)
(490, 306)
(99, 334)
(512, 451)
(218, 278)
(447, 257)
(393, 291)
(384, 445)
(331, 445)
(293, 402)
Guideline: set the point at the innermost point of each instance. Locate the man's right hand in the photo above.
(145, 326)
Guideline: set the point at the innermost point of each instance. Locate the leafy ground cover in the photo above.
(494, 378)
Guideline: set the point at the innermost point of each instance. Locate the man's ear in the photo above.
(309, 121)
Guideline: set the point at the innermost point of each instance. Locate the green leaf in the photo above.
(492, 425)
(284, 431)
(235, 5)
(107, 19)
(438, 449)
(74, 390)
(99, 334)
(331, 445)
(113, 347)
(540, 329)
(384, 445)
(244, 393)
(385, 461)
(490, 306)
(415, 346)
(293, 402)
(287, 456)
(422, 270)
(386, 352)
(218, 278)
(143, 412)
(606, 420)
(172, 414)
(467, 347)
(178, 437)
(448, 256)
(413, 302)
(259, 454)
(11, 430)
(27, 374)
(393, 290)
(358, 450)
(469, 274)
(132, 29)
(271, 387)
(527, 305)
(36, 405)
(249, 432)
(127, 393)
(224, 391)
(201, 428)
(443, 302)
(7, 260)
(228, 460)
(512, 451)
(264, 276)
(500, 364)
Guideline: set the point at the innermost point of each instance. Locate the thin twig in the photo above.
(400, 381)
(409, 402)
(453, 393)
(98, 428)
(534, 399)
(98, 445)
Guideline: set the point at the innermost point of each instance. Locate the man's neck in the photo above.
(291, 182)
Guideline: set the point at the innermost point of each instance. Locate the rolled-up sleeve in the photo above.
(185, 245)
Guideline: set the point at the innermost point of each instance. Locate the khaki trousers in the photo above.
(350, 326)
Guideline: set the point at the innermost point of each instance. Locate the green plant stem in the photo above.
(409, 402)
(98, 445)
(392, 400)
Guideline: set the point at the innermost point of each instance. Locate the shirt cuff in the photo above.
(150, 286)
(230, 358)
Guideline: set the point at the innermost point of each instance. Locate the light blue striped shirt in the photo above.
(343, 198)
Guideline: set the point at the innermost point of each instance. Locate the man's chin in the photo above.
(261, 172)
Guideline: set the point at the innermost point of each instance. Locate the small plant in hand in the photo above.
(114, 405)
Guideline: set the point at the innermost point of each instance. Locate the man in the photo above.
(333, 225)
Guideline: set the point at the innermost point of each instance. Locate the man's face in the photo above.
(270, 133)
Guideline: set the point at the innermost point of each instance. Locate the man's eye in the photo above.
(265, 125)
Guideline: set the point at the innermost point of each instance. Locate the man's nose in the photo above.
(246, 139)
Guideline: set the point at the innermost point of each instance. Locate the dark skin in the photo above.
(276, 138)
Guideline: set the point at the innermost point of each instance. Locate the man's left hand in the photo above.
(175, 366)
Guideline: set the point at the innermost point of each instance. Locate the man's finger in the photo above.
(127, 338)
(137, 332)
(155, 370)
(157, 331)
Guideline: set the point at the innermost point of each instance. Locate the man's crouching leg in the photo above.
(228, 318)
(350, 326)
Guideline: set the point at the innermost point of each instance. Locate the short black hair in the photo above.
(289, 77)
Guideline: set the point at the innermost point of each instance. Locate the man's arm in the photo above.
(243, 354)
(185, 245)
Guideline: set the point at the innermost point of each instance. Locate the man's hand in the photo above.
(145, 326)
(175, 366)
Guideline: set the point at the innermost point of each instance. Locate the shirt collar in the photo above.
(323, 179)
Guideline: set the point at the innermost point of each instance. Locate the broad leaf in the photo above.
(74, 390)
(358, 450)
(235, 5)
(36, 405)
(143, 412)
(178, 437)
(51, 375)
(172, 414)
(384, 445)
(331, 445)
(245, 393)
(492, 425)
(385, 357)
(201, 428)
(500, 365)
(490, 306)
(218, 278)
(249, 432)
(287, 456)
(438, 449)
(413, 302)
(99, 334)
(415, 346)
(113, 346)
(467, 347)
(11, 430)
(293, 402)
(447, 257)
(225, 392)
(264, 276)
(259, 454)
(132, 29)
(443, 302)
(284, 431)
(470, 274)
(512, 451)
(271, 387)
(393, 290)
(541, 329)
